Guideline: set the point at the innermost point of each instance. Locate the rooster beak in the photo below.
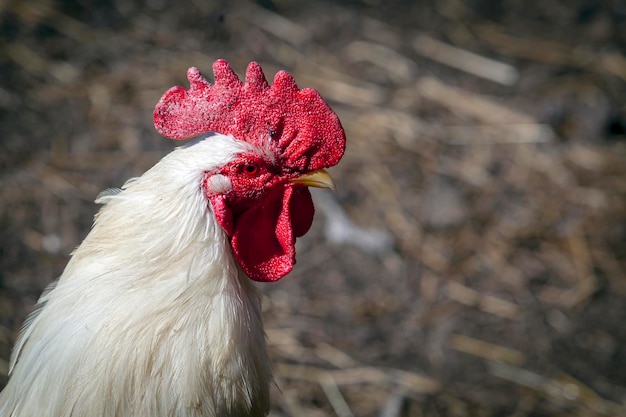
(319, 178)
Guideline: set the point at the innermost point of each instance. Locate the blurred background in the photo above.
(472, 261)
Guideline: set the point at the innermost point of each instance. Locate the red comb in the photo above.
(306, 131)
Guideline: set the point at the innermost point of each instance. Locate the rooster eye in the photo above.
(250, 169)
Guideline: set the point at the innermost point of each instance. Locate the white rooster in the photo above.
(154, 315)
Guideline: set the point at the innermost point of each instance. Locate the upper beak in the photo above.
(319, 178)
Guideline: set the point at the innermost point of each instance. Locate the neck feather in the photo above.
(152, 316)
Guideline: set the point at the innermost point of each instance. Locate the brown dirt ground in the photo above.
(503, 185)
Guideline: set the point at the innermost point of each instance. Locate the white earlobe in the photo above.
(219, 183)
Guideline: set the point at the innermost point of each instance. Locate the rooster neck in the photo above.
(193, 330)
(155, 306)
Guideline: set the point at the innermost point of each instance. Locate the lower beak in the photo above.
(319, 178)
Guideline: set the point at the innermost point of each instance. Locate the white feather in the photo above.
(152, 316)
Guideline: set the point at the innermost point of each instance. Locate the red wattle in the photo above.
(264, 235)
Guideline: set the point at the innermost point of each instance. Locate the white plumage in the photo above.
(152, 316)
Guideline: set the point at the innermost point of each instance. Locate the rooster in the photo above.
(155, 314)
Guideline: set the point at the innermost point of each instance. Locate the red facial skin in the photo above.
(262, 214)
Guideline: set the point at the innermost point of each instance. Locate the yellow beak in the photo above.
(319, 178)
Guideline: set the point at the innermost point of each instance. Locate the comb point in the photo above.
(196, 80)
(224, 74)
(283, 81)
(255, 76)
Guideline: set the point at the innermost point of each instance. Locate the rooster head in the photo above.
(260, 198)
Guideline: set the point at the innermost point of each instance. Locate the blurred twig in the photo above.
(469, 62)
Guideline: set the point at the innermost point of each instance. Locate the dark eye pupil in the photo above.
(250, 169)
